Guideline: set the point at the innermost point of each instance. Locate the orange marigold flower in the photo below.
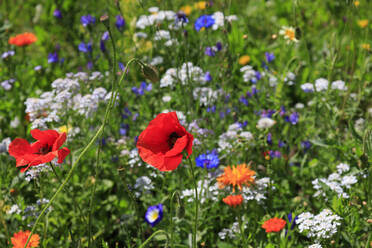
(274, 225)
(186, 9)
(19, 240)
(233, 200)
(22, 39)
(243, 60)
(236, 176)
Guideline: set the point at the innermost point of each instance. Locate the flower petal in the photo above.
(19, 147)
(62, 153)
(59, 141)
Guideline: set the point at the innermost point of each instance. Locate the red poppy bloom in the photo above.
(22, 39)
(233, 200)
(274, 224)
(44, 150)
(162, 142)
(19, 240)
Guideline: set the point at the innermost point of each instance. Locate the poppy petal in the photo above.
(45, 136)
(62, 153)
(59, 141)
(19, 147)
(178, 147)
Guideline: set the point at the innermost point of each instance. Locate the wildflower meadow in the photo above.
(174, 123)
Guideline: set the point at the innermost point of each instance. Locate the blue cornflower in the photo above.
(90, 65)
(305, 145)
(181, 18)
(219, 46)
(210, 51)
(85, 48)
(243, 100)
(293, 118)
(208, 76)
(154, 214)
(87, 20)
(269, 57)
(211, 109)
(269, 139)
(53, 57)
(258, 75)
(120, 22)
(204, 21)
(208, 160)
(124, 128)
(281, 144)
(105, 36)
(282, 110)
(57, 14)
(141, 90)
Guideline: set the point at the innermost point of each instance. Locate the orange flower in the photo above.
(274, 224)
(243, 60)
(366, 46)
(201, 5)
(233, 200)
(363, 23)
(19, 240)
(186, 9)
(236, 176)
(356, 3)
(22, 39)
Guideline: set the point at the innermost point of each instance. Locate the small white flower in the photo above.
(265, 122)
(321, 84)
(307, 87)
(166, 98)
(338, 85)
(288, 33)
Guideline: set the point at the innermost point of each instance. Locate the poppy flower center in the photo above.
(172, 139)
(44, 150)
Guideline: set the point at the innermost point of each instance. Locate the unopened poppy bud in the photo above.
(150, 72)
(105, 20)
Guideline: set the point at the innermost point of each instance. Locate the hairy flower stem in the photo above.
(153, 235)
(194, 243)
(86, 148)
(241, 227)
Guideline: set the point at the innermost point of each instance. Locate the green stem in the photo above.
(194, 243)
(171, 218)
(153, 235)
(86, 148)
(241, 227)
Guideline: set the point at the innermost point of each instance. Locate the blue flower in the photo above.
(204, 21)
(121, 66)
(293, 118)
(120, 22)
(210, 51)
(293, 224)
(85, 48)
(243, 100)
(211, 109)
(305, 145)
(219, 46)
(208, 160)
(141, 90)
(105, 36)
(281, 144)
(87, 20)
(269, 57)
(208, 76)
(57, 14)
(181, 18)
(269, 139)
(7, 54)
(53, 57)
(154, 214)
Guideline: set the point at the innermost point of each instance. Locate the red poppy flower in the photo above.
(22, 39)
(274, 224)
(44, 150)
(162, 142)
(233, 200)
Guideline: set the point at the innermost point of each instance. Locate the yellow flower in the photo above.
(289, 34)
(186, 9)
(64, 129)
(243, 60)
(356, 3)
(363, 23)
(238, 175)
(366, 46)
(201, 5)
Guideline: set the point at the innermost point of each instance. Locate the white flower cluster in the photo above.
(162, 35)
(4, 144)
(233, 135)
(53, 105)
(14, 209)
(265, 122)
(337, 182)
(231, 232)
(248, 73)
(322, 84)
(156, 17)
(206, 96)
(321, 226)
(208, 190)
(257, 191)
(188, 72)
(143, 185)
(219, 19)
(315, 246)
(7, 84)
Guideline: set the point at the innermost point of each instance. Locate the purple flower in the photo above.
(208, 160)
(120, 22)
(243, 100)
(121, 66)
(269, 57)
(181, 18)
(306, 145)
(293, 118)
(282, 110)
(38, 68)
(53, 57)
(207, 76)
(89, 65)
(105, 36)
(269, 139)
(258, 75)
(57, 14)
(211, 109)
(124, 129)
(219, 46)
(85, 48)
(141, 90)
(281, 144)
(204, 21)
(210, 51)
(87, 20)
(7, 54)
